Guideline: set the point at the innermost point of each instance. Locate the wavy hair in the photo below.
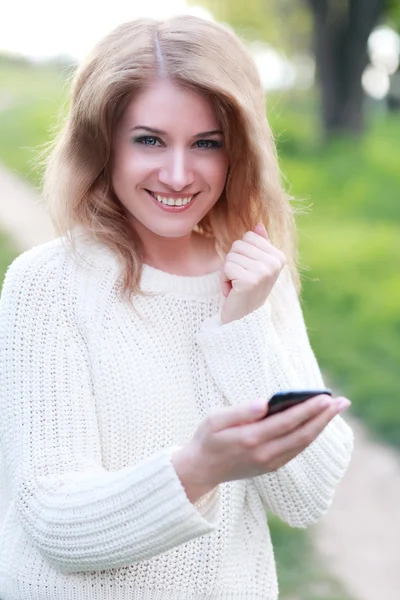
(207, 57)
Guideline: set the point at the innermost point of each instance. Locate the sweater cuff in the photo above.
(238, 354)
(208, 505)
(144, 507)
(236, 339)
(214, 324)
(302, 490)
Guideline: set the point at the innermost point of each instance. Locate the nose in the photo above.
(177, 173)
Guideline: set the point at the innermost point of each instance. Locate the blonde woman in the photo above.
(140, 348)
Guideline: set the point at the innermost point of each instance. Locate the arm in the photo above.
(266, 351)
(78, 515)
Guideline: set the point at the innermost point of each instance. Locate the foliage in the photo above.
(31, 100)
(392, 12)
(336, 32)
(284, 24)
(7, 254)
(351, 242)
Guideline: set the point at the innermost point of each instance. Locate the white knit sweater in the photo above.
(93, 401)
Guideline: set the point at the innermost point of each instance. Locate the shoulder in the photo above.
(54, 269)
(35, 262)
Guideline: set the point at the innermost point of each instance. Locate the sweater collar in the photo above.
(198, 285)
(153, 280)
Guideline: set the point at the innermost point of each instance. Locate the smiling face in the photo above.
(169, 160)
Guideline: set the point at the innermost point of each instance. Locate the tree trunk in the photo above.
(341, 31)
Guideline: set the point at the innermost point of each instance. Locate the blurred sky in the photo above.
(44, 28)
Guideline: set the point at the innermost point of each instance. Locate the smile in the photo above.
(168, 201)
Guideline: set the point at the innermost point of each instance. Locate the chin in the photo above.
(172, 231)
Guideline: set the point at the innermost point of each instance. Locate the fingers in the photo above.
(255, 254)
(233, 416)
(245, 258)
(264, 263)
(235, 272)
(254, 246)
(289, 445)
(248, 250)
(234, 443)
(276, 426)
(289, 420)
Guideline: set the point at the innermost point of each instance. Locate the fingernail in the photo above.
(258, 406)
(343, 404)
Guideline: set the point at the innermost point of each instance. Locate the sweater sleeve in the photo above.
(267, 351)
(78, 515)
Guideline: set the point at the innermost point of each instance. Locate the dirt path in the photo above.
(360, 535)
(20, 213)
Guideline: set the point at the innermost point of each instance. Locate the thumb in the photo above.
(233, 416)
(260, 229)
(226, 284)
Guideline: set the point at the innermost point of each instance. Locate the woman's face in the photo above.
(170, 163)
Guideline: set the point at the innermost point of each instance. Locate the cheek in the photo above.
(130, 167)
(218, 172)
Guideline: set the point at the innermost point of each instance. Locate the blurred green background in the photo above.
(344, 169)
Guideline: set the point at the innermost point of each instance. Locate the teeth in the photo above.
(173, 201)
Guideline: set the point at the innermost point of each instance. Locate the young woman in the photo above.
(139, 349)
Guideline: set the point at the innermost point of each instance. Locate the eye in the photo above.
(208, 144)
(146, 140)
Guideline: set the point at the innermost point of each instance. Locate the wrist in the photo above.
(189, 470)
(264, 306)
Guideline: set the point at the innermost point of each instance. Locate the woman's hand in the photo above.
(236, 442)
(250, 271)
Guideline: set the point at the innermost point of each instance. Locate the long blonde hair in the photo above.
(189, 51)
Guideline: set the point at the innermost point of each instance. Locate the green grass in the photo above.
(32, 101)
(301, 573)
(7, 254)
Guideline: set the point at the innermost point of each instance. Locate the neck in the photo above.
(191, 254)
(173, 255)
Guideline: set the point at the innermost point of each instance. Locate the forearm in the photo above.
(188, 472)
(115, 518)
(244, 357)
(78, 515)
(301, 491)
(266, 351)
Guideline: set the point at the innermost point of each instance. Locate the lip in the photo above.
(168, 208)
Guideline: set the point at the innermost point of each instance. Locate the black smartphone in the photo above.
(284, 400)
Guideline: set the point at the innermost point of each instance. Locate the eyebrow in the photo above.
(161, 132)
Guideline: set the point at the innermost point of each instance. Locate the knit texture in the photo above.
(94, 400)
